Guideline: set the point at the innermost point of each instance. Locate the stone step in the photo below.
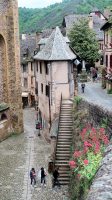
(62, 162)
(65, 126)
(62, 155)
(65, 131)
(62, 158)
(64, 175)
(65, 137)
(65, 116)
(64, 182)
(57, 164)
(64, 178)
(61, 148)
(65, 120)
(62, 152)
(64, 142)
(66, 110)
(62, 145)
(64, 169)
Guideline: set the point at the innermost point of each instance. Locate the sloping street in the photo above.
(95, 94)
(18, 154)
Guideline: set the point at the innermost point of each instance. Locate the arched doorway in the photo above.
(3, 71)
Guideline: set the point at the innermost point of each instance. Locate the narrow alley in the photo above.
(19, 153)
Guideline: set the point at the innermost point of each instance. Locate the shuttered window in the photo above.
(110, 61)
(106, 60)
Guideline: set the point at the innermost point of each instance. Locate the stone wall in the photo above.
(101, 188)
(10, 85)
(97, 115)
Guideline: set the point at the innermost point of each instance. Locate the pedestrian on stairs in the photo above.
(55, 178)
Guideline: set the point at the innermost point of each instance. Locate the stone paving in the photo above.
(18, 154)
(95, 94)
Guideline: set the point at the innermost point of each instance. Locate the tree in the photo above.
(84, 42)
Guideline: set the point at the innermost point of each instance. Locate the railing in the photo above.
(58, 127)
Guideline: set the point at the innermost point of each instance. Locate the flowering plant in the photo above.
(85, 161)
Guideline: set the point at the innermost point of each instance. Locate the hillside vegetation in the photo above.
(32, 20)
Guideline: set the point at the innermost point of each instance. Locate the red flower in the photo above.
(72, 164)
(86, 162)
(77, 154)
(87, 144)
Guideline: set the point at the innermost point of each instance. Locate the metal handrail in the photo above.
(58, 127)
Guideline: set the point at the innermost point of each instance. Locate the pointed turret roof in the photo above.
(55, 48)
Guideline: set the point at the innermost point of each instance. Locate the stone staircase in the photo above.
(64, 141)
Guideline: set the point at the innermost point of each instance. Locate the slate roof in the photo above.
(56, 48)
(69, 20)
(97, 24)
(43, 41)
(28, 45)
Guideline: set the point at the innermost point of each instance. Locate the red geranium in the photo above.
(86, 162)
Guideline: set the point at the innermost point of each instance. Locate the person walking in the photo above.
(55, 178)
(83, 87)
(43, 175)
(33, 176)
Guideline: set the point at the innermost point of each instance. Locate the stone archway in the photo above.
(3, 71)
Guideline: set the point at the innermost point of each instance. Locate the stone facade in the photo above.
(10, 83)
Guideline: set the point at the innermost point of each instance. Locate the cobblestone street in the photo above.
(95, 94)
(18, 154)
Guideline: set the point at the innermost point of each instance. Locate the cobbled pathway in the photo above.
(18, 154)
(95, 94)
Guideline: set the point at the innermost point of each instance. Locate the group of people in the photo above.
(42, 175)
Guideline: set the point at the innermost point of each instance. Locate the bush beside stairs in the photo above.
(64, 142)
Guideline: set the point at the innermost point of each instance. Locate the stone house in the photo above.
(10, 83)
(96, 20)
(29, 46)
(54, 75)
(107, 28)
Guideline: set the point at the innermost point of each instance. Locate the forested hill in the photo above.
(32, 20)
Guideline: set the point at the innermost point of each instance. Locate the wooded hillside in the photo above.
(32, 20)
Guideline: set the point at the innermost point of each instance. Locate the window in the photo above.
(46, 68)
(40, 67)
(24, 68)
(31, 66)
(106, 60)
(107, 38)
(41, 87)
(37, 66)
(32, 80)
(72, 68)
(25, 82)
(101, 60)
(110, 61)
(47, 91)
(36, 89)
